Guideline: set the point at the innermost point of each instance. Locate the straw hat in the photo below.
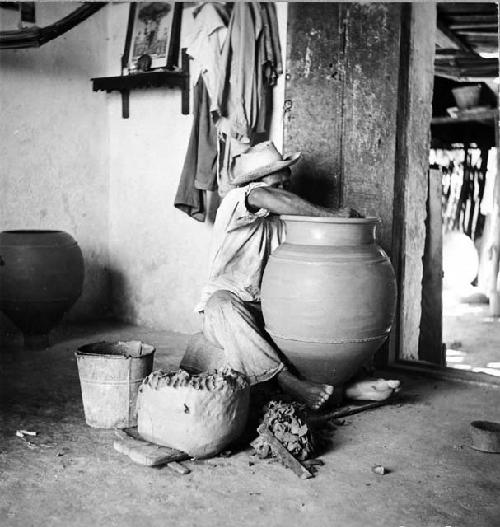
(259, 161)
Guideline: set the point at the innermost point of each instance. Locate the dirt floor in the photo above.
(71, 474)
(471, 334)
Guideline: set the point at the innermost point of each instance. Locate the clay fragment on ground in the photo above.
(380, 470)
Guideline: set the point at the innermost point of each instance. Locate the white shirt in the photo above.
(241, 245)
(204, 44)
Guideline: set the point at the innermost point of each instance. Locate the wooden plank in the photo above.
(474, 26)
(486, 34)
(284, 456)
(151, 79)
(494, 224)
(370, 111)
(144, 452)
(452, 10)
(313, 99)
(473, 19)
(490, 115)
(431, 327)
(447, 39)
(414, 117)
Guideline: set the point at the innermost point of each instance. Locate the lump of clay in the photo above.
(198, 414)
(286, 421)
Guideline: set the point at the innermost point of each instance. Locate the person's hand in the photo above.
(346, 212)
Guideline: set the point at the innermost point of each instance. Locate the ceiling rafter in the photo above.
(465, 31)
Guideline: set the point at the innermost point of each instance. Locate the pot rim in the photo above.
(31, 231)
(330, 219)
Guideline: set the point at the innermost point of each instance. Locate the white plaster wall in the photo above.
(54, 143)
(158, 255)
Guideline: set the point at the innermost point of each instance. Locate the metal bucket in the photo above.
(110, 376)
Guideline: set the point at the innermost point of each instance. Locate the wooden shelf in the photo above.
(490, 115)
(150, 79)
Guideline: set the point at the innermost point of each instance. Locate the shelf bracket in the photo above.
(125, 103)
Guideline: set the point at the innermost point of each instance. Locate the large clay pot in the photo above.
(41, 276)
(329, 296)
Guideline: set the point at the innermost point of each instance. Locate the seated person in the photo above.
(246, 230)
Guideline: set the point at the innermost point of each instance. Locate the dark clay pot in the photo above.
(329, 296)
(41, 277)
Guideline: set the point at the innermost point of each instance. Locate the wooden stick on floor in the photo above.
(285, 457)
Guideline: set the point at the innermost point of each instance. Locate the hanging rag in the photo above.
(270, 68)
(204, 46)
(251, 60)
(200, 165)
(205, 43)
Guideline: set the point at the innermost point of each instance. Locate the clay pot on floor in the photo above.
(329, 296)
(41, 277)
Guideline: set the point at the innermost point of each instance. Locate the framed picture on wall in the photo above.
(153, 37)
(26, 10)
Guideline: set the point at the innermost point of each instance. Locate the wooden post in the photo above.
(494, 234)
(431, 329)
(412, 154)
(493, 247)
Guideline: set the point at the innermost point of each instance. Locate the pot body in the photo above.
(41, 277)
(329, 296)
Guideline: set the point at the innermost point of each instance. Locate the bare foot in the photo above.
(372, 389)
(313, 394)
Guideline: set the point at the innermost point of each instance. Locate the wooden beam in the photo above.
(442, 53)
(461, 27)
(458, 77)
(464, 117)
(412, 150)
(471, 60)
(493, 238)
(447, 39)
(472, 19)
(467, 9)
(475, 33)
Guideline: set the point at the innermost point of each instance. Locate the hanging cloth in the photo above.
(205, 43)
(270, 67)
(237, 95)
(200, 165)
(251, 59)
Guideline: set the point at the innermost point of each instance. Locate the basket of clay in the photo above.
(110, 376)
(198, 414)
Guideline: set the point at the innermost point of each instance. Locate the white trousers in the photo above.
(238, 328)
